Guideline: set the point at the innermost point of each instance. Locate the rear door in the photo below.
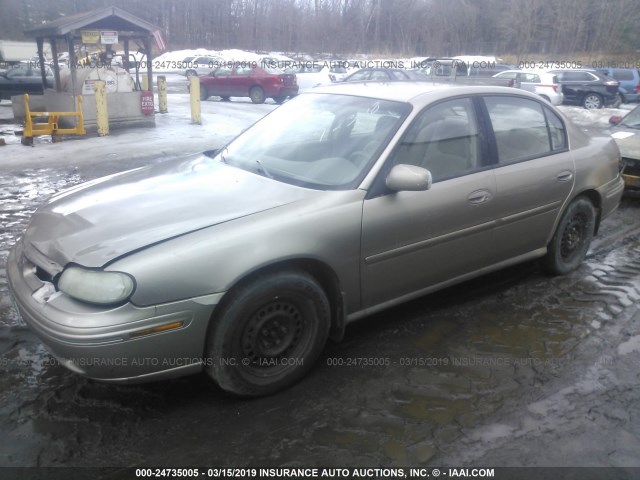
(534, 172)
(241, 80)
(414, 240)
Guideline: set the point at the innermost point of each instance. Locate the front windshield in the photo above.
(320, 141)
(632, 120)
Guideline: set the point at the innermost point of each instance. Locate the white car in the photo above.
(201, 65)
(311, 76)
(544, 84)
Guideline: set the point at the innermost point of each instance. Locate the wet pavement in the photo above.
(513, 369)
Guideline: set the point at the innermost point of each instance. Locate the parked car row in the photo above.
(588, 88)
(24, 77)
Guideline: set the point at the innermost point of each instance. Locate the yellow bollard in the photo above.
(102, 115)
(162, 94)
(194, 89)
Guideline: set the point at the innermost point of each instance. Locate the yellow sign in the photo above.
(90, 36)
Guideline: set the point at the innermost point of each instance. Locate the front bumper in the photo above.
(116, 344)
(286, 91)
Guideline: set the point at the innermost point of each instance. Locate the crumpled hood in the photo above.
(628, 140)
(99, 221)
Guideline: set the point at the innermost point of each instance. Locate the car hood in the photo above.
(97, 222)
(628, 140)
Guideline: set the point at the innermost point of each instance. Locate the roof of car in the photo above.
(408, 91)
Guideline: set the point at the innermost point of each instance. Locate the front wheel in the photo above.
(256, 94)
(592, 101)
(572, 238)
(191, 73)
(203, 93)
(268, 334)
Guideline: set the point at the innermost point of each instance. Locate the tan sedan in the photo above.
(344, 201)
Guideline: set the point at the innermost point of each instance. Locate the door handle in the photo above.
(479, 196)
(564, 176)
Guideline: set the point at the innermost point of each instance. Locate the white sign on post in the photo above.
(108, 37)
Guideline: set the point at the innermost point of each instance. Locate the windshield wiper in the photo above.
(263, 169)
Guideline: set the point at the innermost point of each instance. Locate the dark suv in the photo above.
(588, 88)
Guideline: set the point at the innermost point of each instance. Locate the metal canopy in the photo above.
(69, 28)
(112, 18)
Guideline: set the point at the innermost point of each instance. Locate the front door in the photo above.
(414, 240)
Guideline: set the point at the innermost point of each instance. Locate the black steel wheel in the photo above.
(268, 334)
(572, 238)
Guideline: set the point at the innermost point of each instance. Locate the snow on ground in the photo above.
(173, 136)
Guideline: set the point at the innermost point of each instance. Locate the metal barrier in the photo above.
(51, 127)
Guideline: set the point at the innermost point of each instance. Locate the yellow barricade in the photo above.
(51, 127)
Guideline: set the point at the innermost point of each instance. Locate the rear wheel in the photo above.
(619, 101)
(191, 73)
(572, 238)
(592, 101)
(269, 333)
(225, 99)
(279, 99)
(256, 94)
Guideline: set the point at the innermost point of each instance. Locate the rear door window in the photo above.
(524, 129)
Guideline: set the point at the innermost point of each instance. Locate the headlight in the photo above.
(96, 286)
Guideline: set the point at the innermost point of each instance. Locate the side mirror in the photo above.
(408, 178)
(615, 119)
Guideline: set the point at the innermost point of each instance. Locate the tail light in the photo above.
(637, 89)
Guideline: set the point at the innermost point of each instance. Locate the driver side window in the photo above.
(443, 139)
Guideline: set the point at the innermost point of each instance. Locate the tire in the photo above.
(256, 94)
(191, 73)
(225, 99)
(279, 99)
(592, 101)
(204, 94)
(269, 333)
(619, 101)
(572, 238)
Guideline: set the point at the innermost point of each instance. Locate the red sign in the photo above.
(146, 103)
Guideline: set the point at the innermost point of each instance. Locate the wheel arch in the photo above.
(594, 197)
(318, 270)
